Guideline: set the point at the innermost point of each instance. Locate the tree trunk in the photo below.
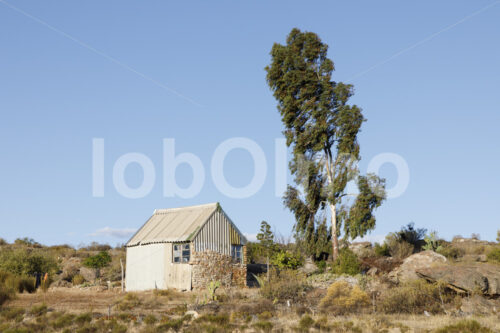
(335, 239)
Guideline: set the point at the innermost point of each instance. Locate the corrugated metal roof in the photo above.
(173, 224)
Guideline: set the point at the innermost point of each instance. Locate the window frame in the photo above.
(237, 253)
(182, 252)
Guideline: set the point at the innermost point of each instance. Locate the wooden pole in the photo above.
(121, 264)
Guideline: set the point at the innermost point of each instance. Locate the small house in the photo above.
(186, 248)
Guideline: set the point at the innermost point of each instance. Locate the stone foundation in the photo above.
(213, 266)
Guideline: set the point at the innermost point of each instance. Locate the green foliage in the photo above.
(284, 285)
(129, 302)
(381, 250)
(77, 280)
(342, 298)
(494, 255)
(100, 260)
(38, 310)
(5, 294)
(263, 326)
(266, 247)
(27, 262)
(403, 243)
(346, 263)
(498, 236)
(287, 260)
(411, 235)
(451, 252)
(3, 242)
(305, 323)
(432, 243)
(465, 325)
(322, 129)
(212, 288)
(16, 283)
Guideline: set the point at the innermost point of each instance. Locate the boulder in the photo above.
(470, 278)
(361, 249)
(309, 266)
(408, 269)
(70, 268)
(87, 273)
(479, 306)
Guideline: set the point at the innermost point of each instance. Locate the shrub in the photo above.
(494, 255)
(414, 297)
(3, 242)
(287, 260)
(100, 260)
(128, 302)
(469, 326)
(27, 262)
(17, 283)
(432, 243)
(94, 246)
(78, 279)
(63, 321)
(5, 294)
(83, 318)
(341, 297)
(150, 319)
(451, 252)
(305, 323)
(38, 310)
(263, 326)
(398, 248)
(346, 263)
(381, 250)
(284, 285)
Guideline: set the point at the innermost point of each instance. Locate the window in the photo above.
(182, 253)
(237, 253)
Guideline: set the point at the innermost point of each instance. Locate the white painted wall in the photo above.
(146, 267)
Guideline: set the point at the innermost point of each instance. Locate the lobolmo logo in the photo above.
(171, 160)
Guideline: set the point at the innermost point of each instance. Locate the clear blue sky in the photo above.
(73, 71)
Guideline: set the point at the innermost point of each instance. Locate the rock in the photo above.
(309, 266)
(192, 313)
(407, 270)
(469, 278)
(70, 268)
(361, 249)
(372, 271)
(477, 305)
(61, 284)
(87, 273)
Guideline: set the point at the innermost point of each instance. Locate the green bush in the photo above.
(78, 279)
(305, 323)
(5, 294)
(469, 326)
(27, 262)
(381, 250)
(451, 252)
(346, 263)
(494, 255)
(287, 260)
(17, 283)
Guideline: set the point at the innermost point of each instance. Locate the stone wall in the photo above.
(213, 266)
